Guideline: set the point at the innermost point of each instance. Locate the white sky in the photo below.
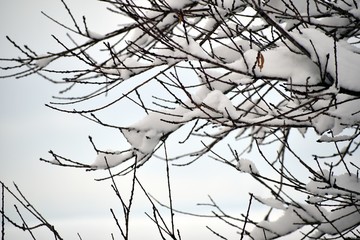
(28, 130)
(69, 197)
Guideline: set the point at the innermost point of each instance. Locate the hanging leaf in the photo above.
(260, 60)
(180, 16)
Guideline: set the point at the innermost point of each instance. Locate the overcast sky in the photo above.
(70, 198)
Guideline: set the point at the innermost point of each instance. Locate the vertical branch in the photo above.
(2, 211)
(131, 198)
(336, 62)
(281, 157)
(169, 192)
(246, 217)
(126, 208)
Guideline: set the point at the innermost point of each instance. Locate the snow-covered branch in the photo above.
(238, 75)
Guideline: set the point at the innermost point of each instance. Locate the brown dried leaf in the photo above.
(260, 60)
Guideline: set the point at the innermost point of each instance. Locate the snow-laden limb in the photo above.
(328, 190)
(95, 35)
(342, 65)
(280, 63)
(344, 184)
(111, 159)
(292, 219)
(335, 118)
(339, 221)
(247, 166)
(174, 4)
(295, 217)
(338, 138)
(271, 202)
(276, 7)
(43, 61)
(147, 133)
(344, 188)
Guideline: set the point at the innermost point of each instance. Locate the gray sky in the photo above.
(70, 198)
(28, 129)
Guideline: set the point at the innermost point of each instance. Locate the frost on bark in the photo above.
(245, 73)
